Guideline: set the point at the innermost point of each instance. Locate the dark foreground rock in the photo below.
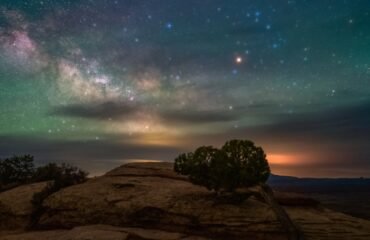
(101, 232)
(16, 207)
(150, 201)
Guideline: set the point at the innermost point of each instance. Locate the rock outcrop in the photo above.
(150, 201)
(16, 207)
(100, 232)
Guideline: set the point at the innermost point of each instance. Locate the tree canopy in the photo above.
(239, 163)
(18, 170)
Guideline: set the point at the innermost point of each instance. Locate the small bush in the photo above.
(61, 177)
(248, 162)
(16, 170)
(239, 163)
(59, 173)
(20, 170)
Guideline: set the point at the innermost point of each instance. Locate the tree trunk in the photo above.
(268, 196)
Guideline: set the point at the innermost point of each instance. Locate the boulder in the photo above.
(151, 195)
(16, 207)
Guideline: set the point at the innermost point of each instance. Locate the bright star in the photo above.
(238, 60)
(169, 25)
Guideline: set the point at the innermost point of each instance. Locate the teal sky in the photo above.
(98, 83)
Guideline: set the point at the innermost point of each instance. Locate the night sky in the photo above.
(96, 83)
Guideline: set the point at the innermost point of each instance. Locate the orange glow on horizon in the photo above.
(283, 159)
(294, 164)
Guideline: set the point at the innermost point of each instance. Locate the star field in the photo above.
(98, 83)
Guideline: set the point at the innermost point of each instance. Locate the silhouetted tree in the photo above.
(63, 172)
(248, 162)
(19, 170)
(60, 177)
(239, 163)
(16, 169)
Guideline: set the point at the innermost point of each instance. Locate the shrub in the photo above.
(239, 163)
(16, 170)
(19, 170)
(62, 176)
(59, 173)
(197, 166)
(249, 162)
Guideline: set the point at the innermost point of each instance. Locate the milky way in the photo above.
(98, 83)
